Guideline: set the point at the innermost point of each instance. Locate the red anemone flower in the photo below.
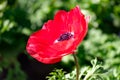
(58, 37)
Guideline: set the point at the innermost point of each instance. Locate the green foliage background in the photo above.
(19, 18)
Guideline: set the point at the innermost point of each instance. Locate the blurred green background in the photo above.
(19, 18)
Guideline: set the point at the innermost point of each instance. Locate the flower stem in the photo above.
(77, 66)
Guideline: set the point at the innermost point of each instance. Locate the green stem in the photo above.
(77, 66)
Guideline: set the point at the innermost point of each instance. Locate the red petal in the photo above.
(42, 44)
(45, 60)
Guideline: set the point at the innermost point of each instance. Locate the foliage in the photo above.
(57, 74)
(19, 18)
(96, 72)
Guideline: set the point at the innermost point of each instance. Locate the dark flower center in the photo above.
(65, 36)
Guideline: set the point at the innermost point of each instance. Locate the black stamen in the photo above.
(65, 36)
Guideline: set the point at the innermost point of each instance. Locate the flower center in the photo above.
(65, 36)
